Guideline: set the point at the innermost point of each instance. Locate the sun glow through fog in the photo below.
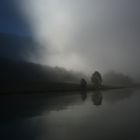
(87, 34)
(54, 26)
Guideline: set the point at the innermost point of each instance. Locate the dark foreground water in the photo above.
(107, 115)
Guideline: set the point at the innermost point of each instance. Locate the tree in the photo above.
(83, 83)
(96, 79)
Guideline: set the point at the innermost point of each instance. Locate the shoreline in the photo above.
(54, 89)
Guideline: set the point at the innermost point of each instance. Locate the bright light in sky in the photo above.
(88, 34)
(55, 25)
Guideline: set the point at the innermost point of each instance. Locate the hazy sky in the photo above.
(87, 35)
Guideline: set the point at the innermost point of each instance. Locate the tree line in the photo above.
(96, 80)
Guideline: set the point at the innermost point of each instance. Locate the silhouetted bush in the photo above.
(96, 79)
(83, 83)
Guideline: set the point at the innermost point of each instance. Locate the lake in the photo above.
(98, 115)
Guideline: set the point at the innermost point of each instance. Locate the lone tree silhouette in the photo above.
(96, 79)
(83, 83)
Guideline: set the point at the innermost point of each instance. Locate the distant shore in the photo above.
(51, 88)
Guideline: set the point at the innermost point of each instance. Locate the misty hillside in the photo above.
(14, 66)
(17, 73)
(117, 79)
(21, 71)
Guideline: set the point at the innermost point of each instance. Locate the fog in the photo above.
(88, 34)
(85, 35)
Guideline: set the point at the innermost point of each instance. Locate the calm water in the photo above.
(113, 114)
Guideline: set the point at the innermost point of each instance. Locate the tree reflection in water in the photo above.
(97, 97)
(84, 95)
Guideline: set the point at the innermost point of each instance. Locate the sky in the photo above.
(12, 20)
(81, 35)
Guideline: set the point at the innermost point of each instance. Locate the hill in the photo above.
(22, 76)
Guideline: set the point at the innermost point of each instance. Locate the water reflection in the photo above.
(21, 106)
(84, 95)
(97, 97)
(111, 96)
(114, 96)
(71, 116)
